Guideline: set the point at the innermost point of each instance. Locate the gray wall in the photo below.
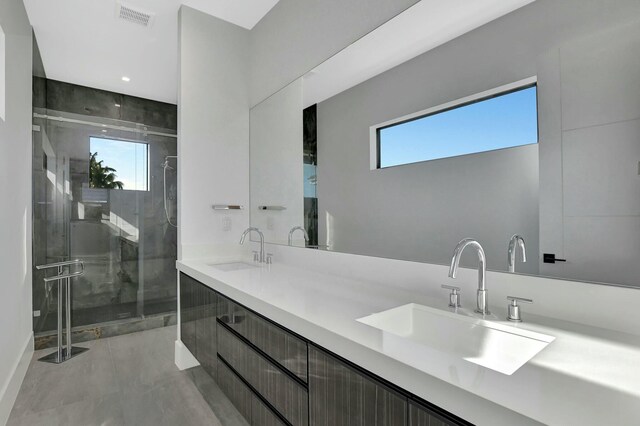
(15, 193)
(592, 88)
(525, 43)
(296, 36)
(420, 211)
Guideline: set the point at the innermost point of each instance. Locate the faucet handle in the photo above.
(256, 256)
(514, 309)
(454, 296)
(269, 259)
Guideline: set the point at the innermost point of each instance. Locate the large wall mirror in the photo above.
(436, 127)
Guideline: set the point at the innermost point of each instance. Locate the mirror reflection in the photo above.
(522, 137)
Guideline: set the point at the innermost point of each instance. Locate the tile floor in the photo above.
(123, 380)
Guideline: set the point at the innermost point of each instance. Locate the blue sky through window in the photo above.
(130, 159)
(501, 122)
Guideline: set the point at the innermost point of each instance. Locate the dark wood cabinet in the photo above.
(284, 348)
(235, 389)
(206, 341)
(339, 395)
(198, 313)
(261, 415)
(421, 415)
(286, 395)
(188, 311)
(277, 378)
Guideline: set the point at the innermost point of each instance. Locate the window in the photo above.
(503, 118)
(117, 164)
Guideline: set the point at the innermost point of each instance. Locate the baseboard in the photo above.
(11, 387)
(183, 357)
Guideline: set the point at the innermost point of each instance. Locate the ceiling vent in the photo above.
(135, 15)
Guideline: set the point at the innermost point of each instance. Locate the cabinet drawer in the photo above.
(285, 394)
(261, 415)
(342, 396)
(235, 389)
(285, 348)
(419, 415)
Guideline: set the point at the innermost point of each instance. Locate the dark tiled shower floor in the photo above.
(123, 380)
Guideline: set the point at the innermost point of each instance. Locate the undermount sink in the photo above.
(232, 266)
(492, 345)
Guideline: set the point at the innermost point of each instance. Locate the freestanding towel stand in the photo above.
(63, 353)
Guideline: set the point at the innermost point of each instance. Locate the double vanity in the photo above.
(275, 376)
(292, 345)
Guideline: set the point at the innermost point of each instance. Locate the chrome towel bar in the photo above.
(63, 353)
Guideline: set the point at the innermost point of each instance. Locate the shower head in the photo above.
(165, 164)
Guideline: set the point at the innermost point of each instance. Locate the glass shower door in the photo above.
(98, 190)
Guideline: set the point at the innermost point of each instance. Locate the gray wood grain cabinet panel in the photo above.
(206, 342)
(261, 415)
(341, 396)
(420, 415)
(286, 395)
(198, 312)
(282, 346)
(235, 389)
(188, 288)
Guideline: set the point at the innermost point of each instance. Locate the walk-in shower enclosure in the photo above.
(98, 188)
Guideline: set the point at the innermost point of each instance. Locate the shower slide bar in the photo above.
(63, 353)
(103, 126)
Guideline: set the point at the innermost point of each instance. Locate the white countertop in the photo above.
(586, 376)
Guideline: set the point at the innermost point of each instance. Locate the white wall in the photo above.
(213, 132)
(276, 163)
(15, 214)
(222, 68)
(296, 36)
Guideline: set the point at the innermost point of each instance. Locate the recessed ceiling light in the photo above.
(125, 78)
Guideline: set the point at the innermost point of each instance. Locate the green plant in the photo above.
(101, 176)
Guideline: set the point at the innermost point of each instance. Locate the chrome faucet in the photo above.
(515, 241)
(244, 234)
(294, 229)
(482, 305)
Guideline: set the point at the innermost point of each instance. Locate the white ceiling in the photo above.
(82, 41)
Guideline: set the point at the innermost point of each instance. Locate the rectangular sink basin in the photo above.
(492, 345)
(233, 266)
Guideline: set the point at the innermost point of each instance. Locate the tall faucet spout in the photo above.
(515, 242)
(482, 270)
(294, 229)
(261, 235)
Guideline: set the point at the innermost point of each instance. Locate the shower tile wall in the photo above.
(128, 246)
(60, 96)
(310, 157)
